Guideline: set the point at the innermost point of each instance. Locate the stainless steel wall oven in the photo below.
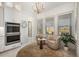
(12, 33)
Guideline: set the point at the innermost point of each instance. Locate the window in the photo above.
(40, 26)
(64, 23)
(49, 25)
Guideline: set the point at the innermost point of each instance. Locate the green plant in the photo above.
(66, 38)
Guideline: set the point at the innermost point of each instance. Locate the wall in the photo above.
(1, 16)
(1, 29)
(77, 27)
(28, 15)
(11, 14)
(8, 14)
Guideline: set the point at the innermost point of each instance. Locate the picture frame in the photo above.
(29, 29)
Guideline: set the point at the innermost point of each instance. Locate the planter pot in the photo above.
(66, 48)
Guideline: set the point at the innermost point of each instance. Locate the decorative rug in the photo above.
(33, 50)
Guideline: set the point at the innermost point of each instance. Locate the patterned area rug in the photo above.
(33, 50)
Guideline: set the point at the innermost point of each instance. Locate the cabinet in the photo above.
(2, 39)
(11, 14)
(1, 16)
(1, 43)
(7, 14)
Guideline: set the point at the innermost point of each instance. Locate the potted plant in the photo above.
(66, 38)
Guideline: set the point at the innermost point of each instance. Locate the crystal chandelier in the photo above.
(38, 7)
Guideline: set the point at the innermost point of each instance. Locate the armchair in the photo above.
(52, 41)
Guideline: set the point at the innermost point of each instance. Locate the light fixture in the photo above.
(38, 7)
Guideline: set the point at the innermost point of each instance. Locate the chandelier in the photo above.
(38, 7)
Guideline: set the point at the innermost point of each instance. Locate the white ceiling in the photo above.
(51, 5)
(47, 5)
(27, 7)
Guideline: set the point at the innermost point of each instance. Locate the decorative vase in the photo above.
(66, 48)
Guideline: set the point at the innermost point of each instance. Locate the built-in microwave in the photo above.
(12, 27)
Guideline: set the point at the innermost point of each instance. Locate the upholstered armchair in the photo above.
(52, 41)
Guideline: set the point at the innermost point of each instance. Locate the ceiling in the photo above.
(51, 5)
(27, 7)
(47, 5)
